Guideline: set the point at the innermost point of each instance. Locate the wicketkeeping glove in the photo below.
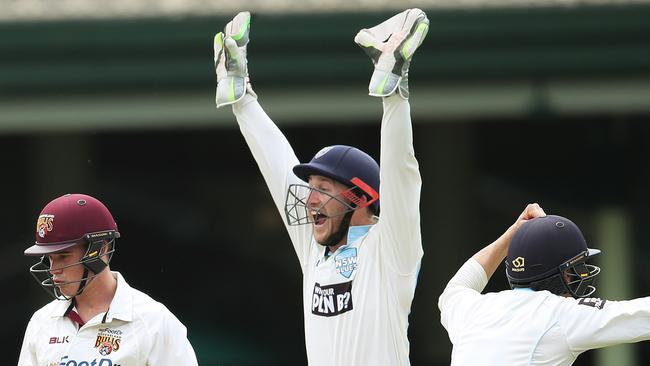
(391, 46)
(230, 60)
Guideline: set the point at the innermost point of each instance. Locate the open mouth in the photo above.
(319, 218)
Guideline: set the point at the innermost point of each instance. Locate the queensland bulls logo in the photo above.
(44, 225)
(108, 341)
(105, 349)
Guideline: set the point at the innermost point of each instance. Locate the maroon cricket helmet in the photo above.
(67, 220)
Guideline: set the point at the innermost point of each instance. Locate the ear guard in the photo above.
(96, 242)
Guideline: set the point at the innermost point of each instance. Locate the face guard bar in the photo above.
(99, 245)
(580, 276)
(298, 212)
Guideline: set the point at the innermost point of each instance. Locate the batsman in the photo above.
(359, 268)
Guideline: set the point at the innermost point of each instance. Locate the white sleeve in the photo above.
(275, 158)
(27, 353)
(170, 346)
(399, 190)
(594, 323)
(460, 294)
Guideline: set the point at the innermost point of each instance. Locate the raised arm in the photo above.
(390, 46)
(466, 285)
(491, 256)
(270, 148)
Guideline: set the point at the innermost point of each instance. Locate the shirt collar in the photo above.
(60, 307)
(523, 289)
(121, 306)
(355, 232)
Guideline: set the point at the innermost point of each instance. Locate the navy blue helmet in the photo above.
(344, 164)
(550, 253)
(347, 165)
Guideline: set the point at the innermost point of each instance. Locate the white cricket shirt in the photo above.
(525, 327)
(357, 300)
(136, 331)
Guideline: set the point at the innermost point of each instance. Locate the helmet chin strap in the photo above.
(95, 265)
(336, 237)
(83, 283)
(82, 286)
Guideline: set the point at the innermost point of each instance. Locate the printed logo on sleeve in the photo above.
(331, 300)
(593, 302)
(346, 262)
(59, 340)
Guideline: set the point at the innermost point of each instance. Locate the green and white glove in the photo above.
(391, 46)
(230, 60)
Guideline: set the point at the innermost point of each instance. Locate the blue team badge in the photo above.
(346, 262)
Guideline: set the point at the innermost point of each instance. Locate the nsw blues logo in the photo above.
(346, 262)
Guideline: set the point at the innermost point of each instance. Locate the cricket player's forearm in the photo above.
(272, 152)
(492, 255)
(400, 188)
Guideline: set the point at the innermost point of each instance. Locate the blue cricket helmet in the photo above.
(347, 165)
(550, 253)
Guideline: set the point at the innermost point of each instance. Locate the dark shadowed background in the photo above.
(510, 106)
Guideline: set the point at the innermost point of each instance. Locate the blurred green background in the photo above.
(510, 106)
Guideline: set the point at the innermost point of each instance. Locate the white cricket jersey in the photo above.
(356, 301)
(525, 327)
(136, 331)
